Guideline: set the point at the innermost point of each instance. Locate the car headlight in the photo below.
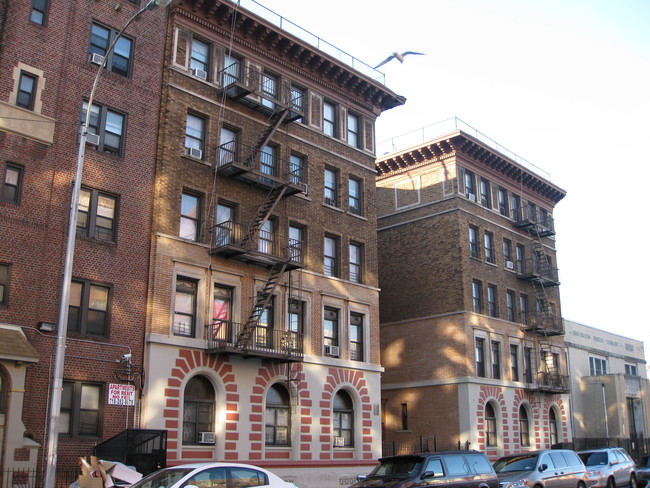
(595, 473)
(518, 483)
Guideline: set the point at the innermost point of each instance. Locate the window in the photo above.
(523, 308)
(331, 327)
(231, 69)
(269, 90)
(26, 90)
(296, 316)
(119, 60)
(479, 347)
(496, 360)
(88, 309)
(477, 297)
(5, 274)
(106, 124)
(247, 477)
(97, 215)
(265, 326)
(405, 417)
(473, 242)
(265, 238)
(354, 196)
(194, 135)
(343, 420)
(515, 205)
(222, 299)
(631, 370)
(356, 337)
(492, 301)
(200, 59)
(502, 197)
(470, 188)
(597, 366)
(353, 130)
(198, 409)
(185, 307)
(356, 262)
(81, 409)
(12, 183)
(519, 256)
(190, 217)
(484, 188)
(507, 254)
(329, 119)
(296, 243)
(297, 174)
(490, 425)
(276, 419)
(524, 427)
(528, 364)
(229, 146)
(552, 427)
(225, 225)
(269, 161)
(331, 187)
(489, 247)
(514, 362)
(331, 256)
(39, 11)
(510, 305)
(297, 102)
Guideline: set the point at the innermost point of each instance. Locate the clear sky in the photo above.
(564, 84)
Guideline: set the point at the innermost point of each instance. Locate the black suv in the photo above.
(451, 469)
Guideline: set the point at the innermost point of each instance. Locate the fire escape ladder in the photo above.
(274, 122)
(262, 301)
(263, 213)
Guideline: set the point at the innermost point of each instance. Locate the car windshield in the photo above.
(161, 479)
(593, 458)
(516, 463)
(645, 462)
(402, 467)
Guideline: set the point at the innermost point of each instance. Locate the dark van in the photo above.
(449, 469)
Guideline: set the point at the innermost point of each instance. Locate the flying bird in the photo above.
(398, 56)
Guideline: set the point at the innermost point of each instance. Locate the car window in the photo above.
(619, 456)
(434, 465)
(210, 478)
(558, 460)
(572, 458)
(478, 464)
(244, 477)
(456, 465)
(546, 459)
(516, 463)
(400, 466)
(594, 458)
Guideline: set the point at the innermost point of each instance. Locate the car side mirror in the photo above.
(427, 474)
(361, 477)
(543, 467)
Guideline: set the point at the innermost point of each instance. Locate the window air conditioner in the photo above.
(199, 73)
(471, 196)
(510, 265)
(194, 152)
(92, 138)
(339, 441)
(96, 58)
(207, 438)
(332, 351)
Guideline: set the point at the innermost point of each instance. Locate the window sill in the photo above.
(338, 209)
(357, 216)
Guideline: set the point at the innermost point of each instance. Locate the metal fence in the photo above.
(424, 444)
(34, 478)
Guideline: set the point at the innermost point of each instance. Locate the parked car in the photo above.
(451, 469)
(552, 468)
(609, 467)
(212, 475)
(643, 471)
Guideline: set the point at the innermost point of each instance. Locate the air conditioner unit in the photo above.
(199, 73)
(339, 441)
(510, 265)
(92, 139)
(207, 438)
(471, 196)
(332, 351)
(194, 152)
(96, 58)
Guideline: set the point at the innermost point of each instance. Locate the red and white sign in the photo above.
(121, 395)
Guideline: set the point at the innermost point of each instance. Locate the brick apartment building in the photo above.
(262, 341)
(471, 330)
(50, 53)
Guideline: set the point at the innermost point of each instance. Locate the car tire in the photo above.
(581, 484)
(611, 483)
(633, 483)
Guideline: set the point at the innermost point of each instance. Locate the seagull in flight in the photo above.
(398, 56)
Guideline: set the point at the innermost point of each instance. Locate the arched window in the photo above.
(278, 416)
(343, 420)
(524, 427)
(552, 426)
(198, 411)
(490, 425)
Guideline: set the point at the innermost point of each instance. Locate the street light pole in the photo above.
(57, 381)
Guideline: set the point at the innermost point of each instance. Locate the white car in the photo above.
(212, 475)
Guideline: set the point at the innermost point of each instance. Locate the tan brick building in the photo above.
(262, 341)
(471, 330)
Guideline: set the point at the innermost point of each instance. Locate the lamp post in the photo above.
(57, 381)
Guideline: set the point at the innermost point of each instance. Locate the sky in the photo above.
(564, 84)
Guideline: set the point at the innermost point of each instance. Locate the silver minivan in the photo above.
(552, 468)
